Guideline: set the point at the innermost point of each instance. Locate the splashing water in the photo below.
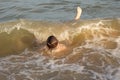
(94, 54)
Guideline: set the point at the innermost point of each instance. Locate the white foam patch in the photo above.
(10, 28)
(96, 31)
(112, 73)
(116, 75)
(116, 51)
(64, 35)
(63, 67)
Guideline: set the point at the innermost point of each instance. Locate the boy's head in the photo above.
(52, 42)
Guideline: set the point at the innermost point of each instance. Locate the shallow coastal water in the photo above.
(94, 43)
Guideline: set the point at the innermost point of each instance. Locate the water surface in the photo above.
(94, 40)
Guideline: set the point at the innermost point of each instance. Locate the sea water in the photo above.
(94, 40)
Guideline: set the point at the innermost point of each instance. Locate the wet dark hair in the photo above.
(52, 42)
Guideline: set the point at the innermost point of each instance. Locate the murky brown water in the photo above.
(93, 52)
(94, 44)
